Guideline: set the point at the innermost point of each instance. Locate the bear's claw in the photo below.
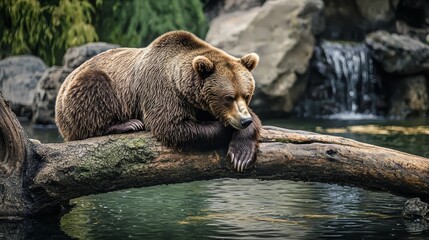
(242, 158)
(128, 126)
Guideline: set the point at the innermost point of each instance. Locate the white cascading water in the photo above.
(348, 80)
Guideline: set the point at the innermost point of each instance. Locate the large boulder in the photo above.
(18, 79)
(281, 32)
(75, 56)
(398, 53)
(409, 97)
(46, 94)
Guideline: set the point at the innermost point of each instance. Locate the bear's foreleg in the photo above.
(189, 134)
(244, 144)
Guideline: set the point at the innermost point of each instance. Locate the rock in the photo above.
(281, 32)
(240, 5)
(414, 208)
(18, 79)
(415, 214)
(412, 18)
(416, 33)
(351, 20)
(409, 97)
(398, 53)
(376, 10)
(414, 13)
(46, 94)
(75, 56)
(214, 8)
(416, 226)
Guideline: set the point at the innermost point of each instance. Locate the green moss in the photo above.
(136, 143)
(113, 158)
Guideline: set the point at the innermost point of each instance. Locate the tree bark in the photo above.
(37, 178)
(14, 152)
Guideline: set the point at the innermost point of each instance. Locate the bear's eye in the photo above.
(229, 99)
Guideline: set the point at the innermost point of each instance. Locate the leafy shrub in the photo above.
(45, 28)
(135, 23)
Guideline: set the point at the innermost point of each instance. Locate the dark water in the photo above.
(248, 209)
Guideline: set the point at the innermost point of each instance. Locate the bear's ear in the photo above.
(202, 65)
(250, 61)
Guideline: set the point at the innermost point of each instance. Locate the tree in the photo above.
(136, 23)
(47, 28)
(44, 28)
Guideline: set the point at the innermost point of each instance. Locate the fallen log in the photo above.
(38, 178)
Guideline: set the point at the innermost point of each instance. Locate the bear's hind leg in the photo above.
(90, 106)
(128, 126)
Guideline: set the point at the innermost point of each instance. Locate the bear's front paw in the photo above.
(242, 153)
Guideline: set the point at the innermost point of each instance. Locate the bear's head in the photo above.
(227, 86)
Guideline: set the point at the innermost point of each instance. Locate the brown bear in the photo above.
(185, 91)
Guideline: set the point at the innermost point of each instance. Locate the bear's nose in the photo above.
(245, 122)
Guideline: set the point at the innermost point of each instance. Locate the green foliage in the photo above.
(44, 28)
(135, 23)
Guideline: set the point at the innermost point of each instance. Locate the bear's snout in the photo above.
(245, 122)
(239, 116)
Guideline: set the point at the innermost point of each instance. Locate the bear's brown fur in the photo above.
(185, 91)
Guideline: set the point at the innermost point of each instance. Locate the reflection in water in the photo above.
(38, 228)
(242, 209)
(44, 135)
(238, 209)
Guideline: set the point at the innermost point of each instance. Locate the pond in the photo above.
(249, 209)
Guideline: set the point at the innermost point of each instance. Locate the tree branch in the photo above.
(57, 173)
(136, 160)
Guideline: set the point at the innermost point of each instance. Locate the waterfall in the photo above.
(342, 83)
